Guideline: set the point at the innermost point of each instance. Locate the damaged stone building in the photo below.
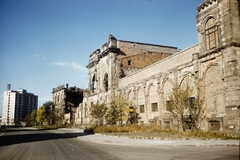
(68, 99)
(146, 73)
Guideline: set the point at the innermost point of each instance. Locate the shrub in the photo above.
(155, 129)
(209, 135)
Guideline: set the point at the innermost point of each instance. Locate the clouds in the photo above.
(59, 63)
(75, 66)
(38, 55)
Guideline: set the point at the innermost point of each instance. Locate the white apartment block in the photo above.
(17, 105)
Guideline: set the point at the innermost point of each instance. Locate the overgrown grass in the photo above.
(145, 131)
(210, 135)
(131, 128)
(49, 126)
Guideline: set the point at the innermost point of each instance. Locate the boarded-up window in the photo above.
(141, 109)
(154, 107)
(211, 34)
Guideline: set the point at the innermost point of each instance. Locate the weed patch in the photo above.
(151, 132)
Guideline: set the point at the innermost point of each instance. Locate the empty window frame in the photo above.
(129, 62)
(167, 124)
(105, 82)
(141, 108)
(168, 105)
(211, 34)
(93, 84)
(214, 125)
(154, 107)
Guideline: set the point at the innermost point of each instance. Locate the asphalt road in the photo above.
(29, 144)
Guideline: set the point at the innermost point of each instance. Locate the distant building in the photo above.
(17, 105)
(68, 98)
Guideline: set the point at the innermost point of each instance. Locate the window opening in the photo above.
(154, 107)
(167, 125)
(105, 82)
(211, 34)
(129, 62)
(168, 105)
(214, 125)
(141, 108)
(93, 83)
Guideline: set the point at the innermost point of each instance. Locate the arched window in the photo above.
(211, 34)
(105, 82)
(93, 86)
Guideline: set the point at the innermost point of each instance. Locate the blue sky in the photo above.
(47, 43)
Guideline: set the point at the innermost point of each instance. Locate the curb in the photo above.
(124, 141)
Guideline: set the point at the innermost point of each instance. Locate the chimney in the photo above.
(8, 87)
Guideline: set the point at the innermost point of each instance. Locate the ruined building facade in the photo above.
(68, 99)
(146, 73)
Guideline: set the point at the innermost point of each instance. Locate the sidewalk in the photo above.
(104, 139)
(114, 140)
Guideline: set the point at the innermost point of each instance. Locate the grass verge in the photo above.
(154, 132)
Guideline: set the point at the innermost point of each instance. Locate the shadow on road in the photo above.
(11, 136)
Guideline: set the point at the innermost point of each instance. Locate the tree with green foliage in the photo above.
(49, 112)
(33, 117)
(98, 112)
(40, 115)
(186, 109)
(31, 120)
(45, 113)
(118, 110)
(58, 116)
(27, 120)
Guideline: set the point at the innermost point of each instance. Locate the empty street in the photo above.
(34, 144)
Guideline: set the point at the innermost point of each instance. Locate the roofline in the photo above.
(149, 44)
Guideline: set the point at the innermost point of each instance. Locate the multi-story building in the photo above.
(17, 105)
(68, 100)
(211, 67)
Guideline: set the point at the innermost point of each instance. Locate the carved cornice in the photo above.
(101, 55)
(205, 4)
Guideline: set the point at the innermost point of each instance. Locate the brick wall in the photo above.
(164, 65)
(132, 48)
